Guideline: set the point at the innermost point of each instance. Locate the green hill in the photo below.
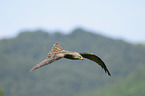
(1, 92)
(65, 77)
(133, 85)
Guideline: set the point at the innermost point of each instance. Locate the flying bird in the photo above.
(57, 52)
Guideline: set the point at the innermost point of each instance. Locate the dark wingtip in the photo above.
(108, 72)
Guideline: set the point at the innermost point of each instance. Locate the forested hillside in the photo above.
(1, 92)
(125, 61)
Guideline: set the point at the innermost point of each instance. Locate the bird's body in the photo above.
(57, 53)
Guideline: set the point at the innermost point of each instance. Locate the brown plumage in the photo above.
(57, 53)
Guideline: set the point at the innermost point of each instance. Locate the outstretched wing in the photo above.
(46, 62)
(96, 59)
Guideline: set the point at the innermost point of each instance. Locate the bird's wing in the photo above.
(47, 61)
(96, 59)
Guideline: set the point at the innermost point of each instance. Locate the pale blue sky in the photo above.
(116, 18)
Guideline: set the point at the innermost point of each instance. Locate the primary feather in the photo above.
(96, 59)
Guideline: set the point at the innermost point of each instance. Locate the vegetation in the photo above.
(1, 92)
(133, 85)
(68, 78)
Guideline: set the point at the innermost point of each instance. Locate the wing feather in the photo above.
(96, 59)
(46, 62)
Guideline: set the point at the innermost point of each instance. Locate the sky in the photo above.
(123, 19)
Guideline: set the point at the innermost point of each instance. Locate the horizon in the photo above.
(69, 33)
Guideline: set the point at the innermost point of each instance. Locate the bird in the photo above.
(57, 52)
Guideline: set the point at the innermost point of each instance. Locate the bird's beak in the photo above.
(81, 58)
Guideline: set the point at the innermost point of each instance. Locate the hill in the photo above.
(133, 85)
(65, 77)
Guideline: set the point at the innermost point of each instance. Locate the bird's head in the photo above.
(78, 56)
